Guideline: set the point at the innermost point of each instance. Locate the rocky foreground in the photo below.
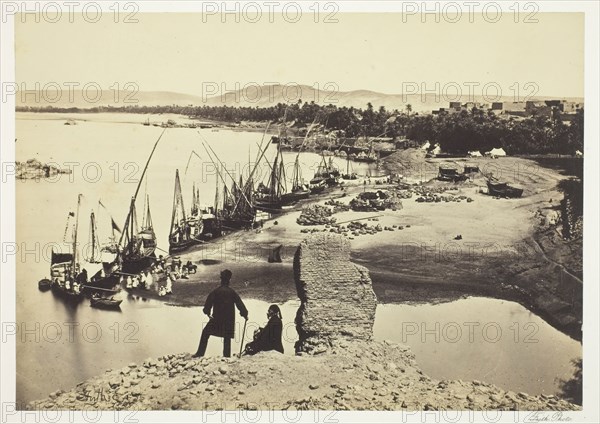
(349, 376)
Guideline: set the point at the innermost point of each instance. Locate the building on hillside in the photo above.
(537, 108)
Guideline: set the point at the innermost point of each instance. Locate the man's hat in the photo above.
(226, 274)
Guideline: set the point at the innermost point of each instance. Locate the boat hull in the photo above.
(105, 303)
(237, 223)
(137, 265)
(45, 284)
(211, 229)
(108, 285)
(364, 160)
(295, 196)
(504, 190)
(182, 246)
(67, 295)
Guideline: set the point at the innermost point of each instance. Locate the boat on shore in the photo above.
(185, 230)
(137, 246)
(234, 208)
(270, 197)
(327, 175)
(450, 173)
(300, 190)
(238, 211)
(503, 189)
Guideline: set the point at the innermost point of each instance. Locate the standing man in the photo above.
(222, 321)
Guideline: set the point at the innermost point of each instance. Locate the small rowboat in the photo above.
(105, 303)
(44, 284)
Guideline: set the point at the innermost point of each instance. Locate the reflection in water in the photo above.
(476, 338)
(491, 340)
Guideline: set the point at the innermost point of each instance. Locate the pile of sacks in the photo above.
(316, 215)
(370, 201)
(358, 228)
(337, 206)
(436, 198)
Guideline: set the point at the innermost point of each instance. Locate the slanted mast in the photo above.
(178, 217)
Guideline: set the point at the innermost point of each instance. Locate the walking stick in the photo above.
(243, 335)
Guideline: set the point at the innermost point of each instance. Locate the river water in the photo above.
(59, 345)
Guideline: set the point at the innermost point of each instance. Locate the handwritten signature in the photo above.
(539, 417)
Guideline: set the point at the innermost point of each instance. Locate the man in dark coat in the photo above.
(222, 321)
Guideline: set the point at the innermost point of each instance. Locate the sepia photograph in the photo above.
(299, 211)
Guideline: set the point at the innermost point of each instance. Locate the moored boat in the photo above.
(326, 173)
(64, 267)
(185, 230)
(136, 247)
(503, 189)
(105, 303)
(45, 284)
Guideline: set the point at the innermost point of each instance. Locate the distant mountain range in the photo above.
(261, 96)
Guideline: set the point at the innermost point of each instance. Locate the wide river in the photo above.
(60, 345)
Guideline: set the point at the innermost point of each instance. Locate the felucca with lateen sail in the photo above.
(185, 230)
(137, 245)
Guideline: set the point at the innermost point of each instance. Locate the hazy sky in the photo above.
(177, 52)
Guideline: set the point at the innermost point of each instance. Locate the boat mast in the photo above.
(281, 183)
(177, 201)
(94, 237)
(217, 200)
(133, 218)
(148, 216)
(214, 161)
(75, 232)
(194, 210)
(145, 199)
(132, 207)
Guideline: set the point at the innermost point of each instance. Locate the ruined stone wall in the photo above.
(337, 297)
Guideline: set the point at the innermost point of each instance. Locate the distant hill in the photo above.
(106, 98)
(261, 96)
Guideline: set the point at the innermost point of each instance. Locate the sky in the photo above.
(380, 52)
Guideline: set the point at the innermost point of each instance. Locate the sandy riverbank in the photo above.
(506, 250)
(351, 376)
(420, 263)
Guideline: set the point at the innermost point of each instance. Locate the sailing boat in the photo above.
(184, 230)
(138, 253)
(195, 219)
(64, 267)
(211, 225)
(236, 211)
(368, 157)
(270, 197)
(138, 245)
(349, 175)
(274, 195)
(299, 189)
(327, 175)
(102, 264)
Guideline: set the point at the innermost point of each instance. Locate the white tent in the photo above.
(436, 149)
(426, 146)
(474, 154)
(496, 152)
